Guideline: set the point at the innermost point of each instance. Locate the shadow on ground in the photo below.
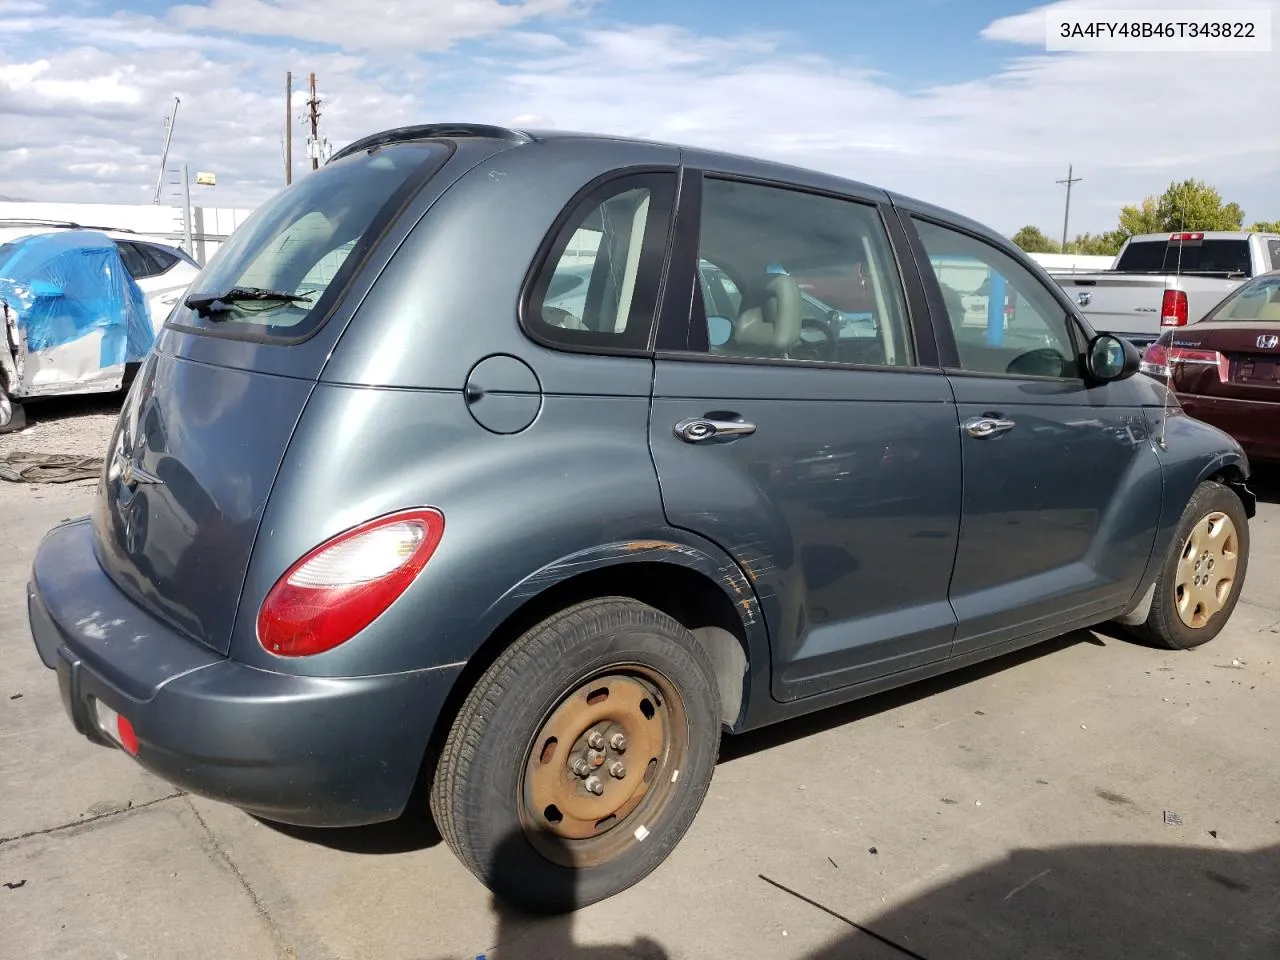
(1085, 902)
(1069, 903)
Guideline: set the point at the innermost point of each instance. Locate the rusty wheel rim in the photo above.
(603, 765)
(1206, 569)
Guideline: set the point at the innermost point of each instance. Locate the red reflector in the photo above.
(1173, 309)
(343, 585)
(128, 739)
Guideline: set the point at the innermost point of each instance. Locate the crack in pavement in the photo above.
(96, 817)
(277, 934)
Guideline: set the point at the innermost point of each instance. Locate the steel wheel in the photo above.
(603, 764)
(1206, 569)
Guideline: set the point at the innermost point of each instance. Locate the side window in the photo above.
(160, 258)
(1274, 247)
(1003, 318)
(137, 265)
(598, 286)
(787, 275)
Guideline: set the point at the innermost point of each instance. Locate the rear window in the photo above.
(1207, 256)
(307, 241)
(1257, 301)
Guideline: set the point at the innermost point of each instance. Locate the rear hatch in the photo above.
(209, 416)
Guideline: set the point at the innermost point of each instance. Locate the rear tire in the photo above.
(544, 819)
(1199, 585)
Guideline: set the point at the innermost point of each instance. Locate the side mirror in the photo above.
(1112, 358)
(719, 330)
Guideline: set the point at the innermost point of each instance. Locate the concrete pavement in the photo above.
(1014, 810)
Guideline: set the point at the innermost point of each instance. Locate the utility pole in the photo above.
(288, 128)
(186, 212)
(164, 155)
(1066, 215)
(314, 105)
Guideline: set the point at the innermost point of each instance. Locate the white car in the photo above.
(162, 272)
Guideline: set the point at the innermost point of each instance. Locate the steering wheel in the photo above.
(828, 332)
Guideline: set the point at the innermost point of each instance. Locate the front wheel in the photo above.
(581, 757)
(1200, 582)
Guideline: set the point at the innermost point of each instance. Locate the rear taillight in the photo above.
(1158, 360)
(343, 585)
(1155, 360)
(1173, 309)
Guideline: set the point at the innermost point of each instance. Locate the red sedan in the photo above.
(1225, 368)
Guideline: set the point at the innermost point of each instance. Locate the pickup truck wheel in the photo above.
(1200, 583)
(580, 758)
(12, 416)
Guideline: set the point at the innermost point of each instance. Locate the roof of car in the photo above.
(693, 155)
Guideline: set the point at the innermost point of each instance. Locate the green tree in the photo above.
(1097, 245)
(1033, 240)
(1141, 219)
(1266, 226)
(1194, 205)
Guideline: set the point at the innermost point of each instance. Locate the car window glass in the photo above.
(137, 265)
(1274, 247)
(161, 259)
(1003, 318)
(786, 275)
(599, 284)
(334, 214)
(1258, 301)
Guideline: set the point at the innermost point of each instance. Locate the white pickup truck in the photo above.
(1162, 280)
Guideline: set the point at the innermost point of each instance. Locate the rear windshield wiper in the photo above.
(208, 304)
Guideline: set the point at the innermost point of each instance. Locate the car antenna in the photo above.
(1168, 363)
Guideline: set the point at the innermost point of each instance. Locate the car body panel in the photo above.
(1036, 547)
(843, 508)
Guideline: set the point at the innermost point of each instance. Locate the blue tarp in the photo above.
(64, 285)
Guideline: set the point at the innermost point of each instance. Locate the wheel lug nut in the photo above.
(595, 740)
(595, 759)
(594, 785)
(580, 767)
(619, 742)
(617, 770)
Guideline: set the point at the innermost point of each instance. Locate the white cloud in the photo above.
(420, 25)
(82, 102)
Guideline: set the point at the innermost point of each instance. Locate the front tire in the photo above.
(580, 757)
(1200, 582)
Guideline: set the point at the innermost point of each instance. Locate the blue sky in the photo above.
(953, 101)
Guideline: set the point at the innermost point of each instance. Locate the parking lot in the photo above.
(1088, 798)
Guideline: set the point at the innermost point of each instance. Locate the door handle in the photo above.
(983, 427)
(704, 429)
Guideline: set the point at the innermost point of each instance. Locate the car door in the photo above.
(1061, 490)
(828, 466)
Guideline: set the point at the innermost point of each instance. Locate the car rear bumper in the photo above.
(1255, 424)
(312, 751)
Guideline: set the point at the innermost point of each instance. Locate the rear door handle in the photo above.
(983, 427)
(708, 429)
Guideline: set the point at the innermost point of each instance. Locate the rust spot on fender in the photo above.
(634, 546)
